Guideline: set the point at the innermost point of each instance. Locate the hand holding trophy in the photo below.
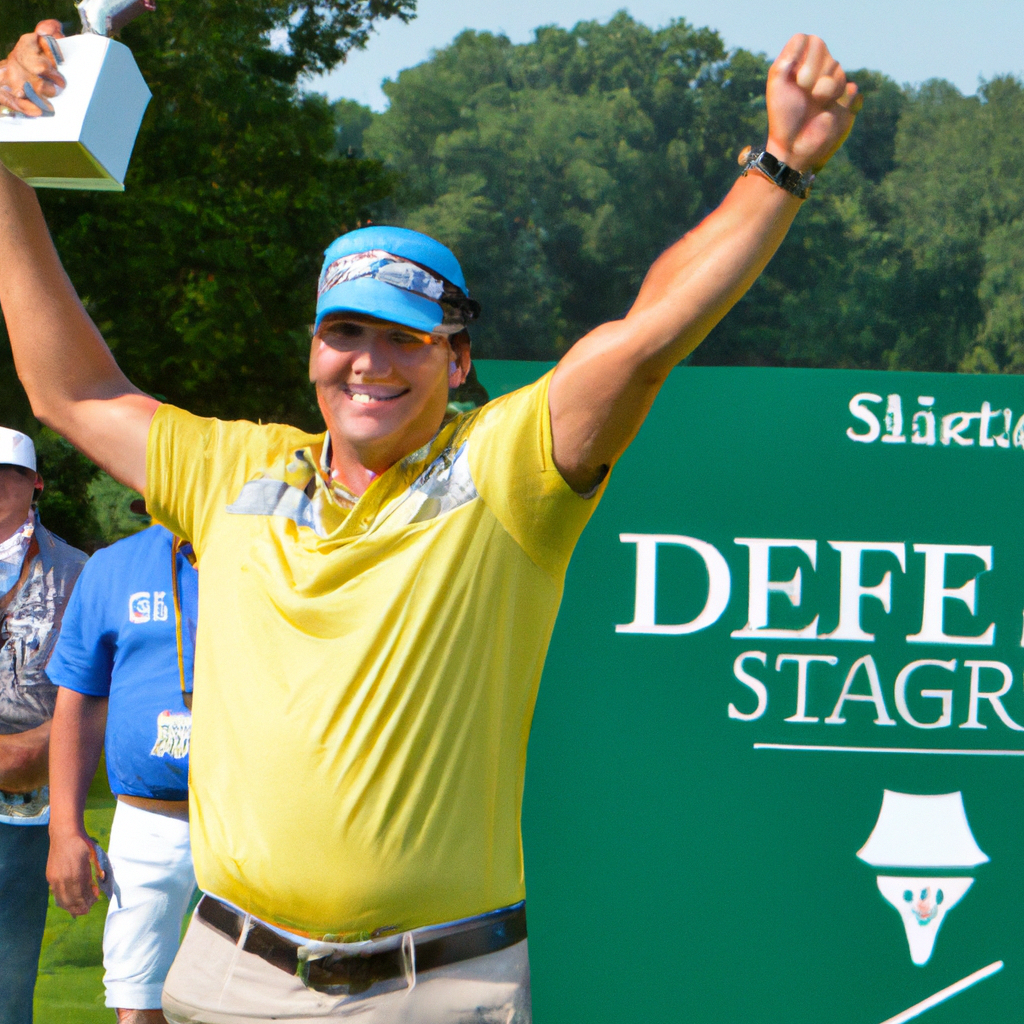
(30, 75)
(70, 108)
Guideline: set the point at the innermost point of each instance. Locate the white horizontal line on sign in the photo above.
(944, 994)
(889, 750)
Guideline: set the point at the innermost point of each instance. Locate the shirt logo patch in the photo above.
(145, 607)
(445, 485)
(173, 733)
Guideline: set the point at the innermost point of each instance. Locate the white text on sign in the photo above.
(882, 419)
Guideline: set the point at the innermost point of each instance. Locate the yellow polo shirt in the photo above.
(365, 678)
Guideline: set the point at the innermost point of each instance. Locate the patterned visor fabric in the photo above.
(457, 307)
(382, 266)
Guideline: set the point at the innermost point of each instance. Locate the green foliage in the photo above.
(560, 168)
(557, 169)
(351, 120)
(14, 409)
(960, 186)
(872, 147)
(111, 505)
(202, 274)
(64, 506)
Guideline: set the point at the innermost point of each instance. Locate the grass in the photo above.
(70, 985)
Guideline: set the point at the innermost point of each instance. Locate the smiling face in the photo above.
(382, 389)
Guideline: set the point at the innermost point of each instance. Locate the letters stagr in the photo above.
(959, 689)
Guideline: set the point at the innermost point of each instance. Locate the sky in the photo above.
(910, 40)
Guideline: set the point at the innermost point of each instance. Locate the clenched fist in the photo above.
(32, 64)
(811, 106)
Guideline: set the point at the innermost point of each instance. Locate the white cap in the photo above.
(17, 449)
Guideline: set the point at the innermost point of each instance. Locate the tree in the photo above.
(558, 169)
(202, 274)
(961, 189)
(64, 505)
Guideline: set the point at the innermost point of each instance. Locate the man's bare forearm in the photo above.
(605, 385)
(76, 742)
(692, 285)
(45, 318)
(79, 722)
(24, 759)
(69, 374)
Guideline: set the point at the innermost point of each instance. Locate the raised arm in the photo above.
(68, 372)
(604, 386)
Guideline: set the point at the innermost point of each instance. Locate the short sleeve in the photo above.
(83, 658)
(513, 469)
(196, 466)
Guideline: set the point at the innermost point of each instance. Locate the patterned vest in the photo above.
(29, 626)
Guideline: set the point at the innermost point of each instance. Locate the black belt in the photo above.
(351, 973)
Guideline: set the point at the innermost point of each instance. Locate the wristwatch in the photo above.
(775, 170)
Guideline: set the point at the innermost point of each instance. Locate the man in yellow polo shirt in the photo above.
(377, 600)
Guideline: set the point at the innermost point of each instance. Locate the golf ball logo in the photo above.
(922, 832)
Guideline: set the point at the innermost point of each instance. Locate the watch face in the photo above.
(770, 163)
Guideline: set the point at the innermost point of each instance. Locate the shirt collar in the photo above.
(341, 494)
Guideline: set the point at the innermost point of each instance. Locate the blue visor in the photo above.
(397, 275)
(372, 297)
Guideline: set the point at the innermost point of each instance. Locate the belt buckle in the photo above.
(322, 968)
(308, 953)
(317, 958)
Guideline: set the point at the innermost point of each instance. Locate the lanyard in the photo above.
(176, 546)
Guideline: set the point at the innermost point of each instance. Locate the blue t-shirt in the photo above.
(118, 640)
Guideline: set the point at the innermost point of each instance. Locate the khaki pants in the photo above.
(214, 982)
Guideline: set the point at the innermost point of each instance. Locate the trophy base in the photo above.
(57, 165)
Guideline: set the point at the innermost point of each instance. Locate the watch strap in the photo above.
(795, 182)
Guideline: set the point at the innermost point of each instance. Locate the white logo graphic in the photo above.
(146, 607)
(173, 733)
(139, 608)
(916, 831)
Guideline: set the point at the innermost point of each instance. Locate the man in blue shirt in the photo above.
(123, 666)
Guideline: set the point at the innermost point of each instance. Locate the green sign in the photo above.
(776, 767)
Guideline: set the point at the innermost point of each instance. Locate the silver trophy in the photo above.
(85, 137)
(105, 17)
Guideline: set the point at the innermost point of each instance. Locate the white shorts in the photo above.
(153, 884)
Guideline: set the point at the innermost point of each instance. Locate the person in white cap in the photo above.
(37, 574)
